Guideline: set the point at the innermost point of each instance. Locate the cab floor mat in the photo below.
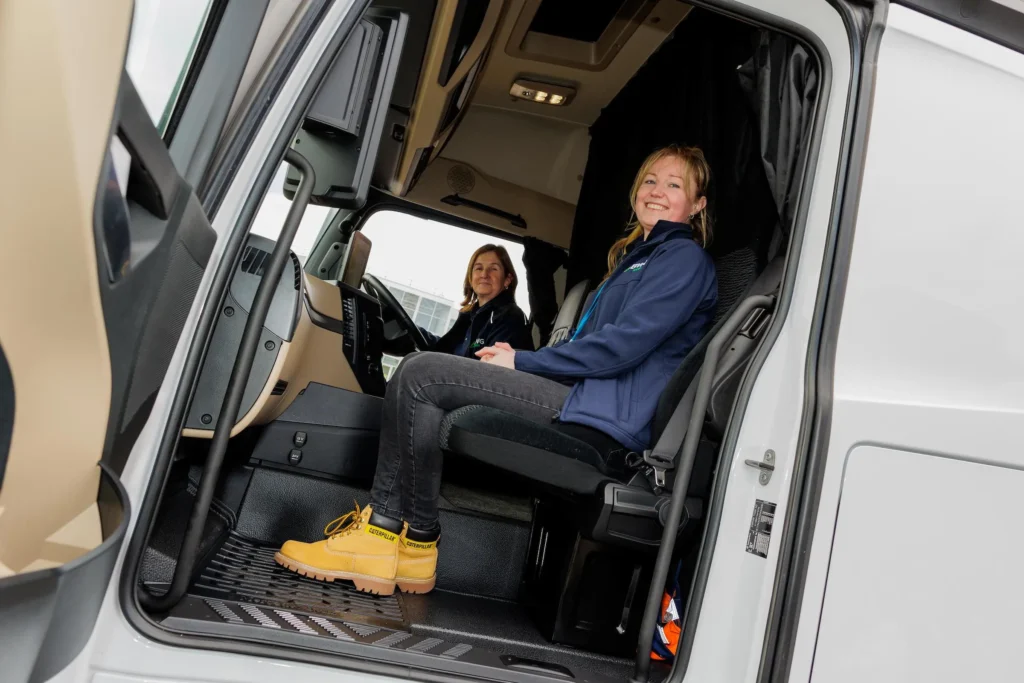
(244, 571)
(263, 627)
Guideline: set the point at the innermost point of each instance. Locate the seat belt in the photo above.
(662, 458)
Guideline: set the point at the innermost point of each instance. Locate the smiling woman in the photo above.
(672, 185)
(489, 314)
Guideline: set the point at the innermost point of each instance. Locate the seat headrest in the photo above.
(569, 312)
(735, 271)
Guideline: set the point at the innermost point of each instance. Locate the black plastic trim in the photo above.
(201, 120)
(210, 28)
(990, 20)
(516, 220)
(7, 409)
(323, 321)
(47, 616)
(153, 180)
(812, 445)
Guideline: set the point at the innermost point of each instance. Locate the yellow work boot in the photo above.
(362, 547)
(417, 560)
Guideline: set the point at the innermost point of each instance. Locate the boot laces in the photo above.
(347, 523)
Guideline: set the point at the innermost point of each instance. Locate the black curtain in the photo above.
(687, 93)
(781, 82)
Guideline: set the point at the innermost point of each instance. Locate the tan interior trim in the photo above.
(431, 97)
(547, 218)
(324, 296)
(322, 360)
(313, 355)
(594, 89)
(60, 69)
(594, 56)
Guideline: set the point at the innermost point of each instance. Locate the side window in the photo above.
(423, 262)
(163, 42)
(270, 218)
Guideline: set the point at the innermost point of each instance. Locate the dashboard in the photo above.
(317, 332)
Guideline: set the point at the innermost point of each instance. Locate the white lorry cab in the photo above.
(224, 224)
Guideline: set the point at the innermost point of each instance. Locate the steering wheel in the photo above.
(385, 297)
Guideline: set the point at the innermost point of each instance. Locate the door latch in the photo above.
(767, 466)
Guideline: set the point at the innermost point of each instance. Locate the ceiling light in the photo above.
(541, 92)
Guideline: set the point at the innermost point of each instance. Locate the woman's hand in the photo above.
(501, 354)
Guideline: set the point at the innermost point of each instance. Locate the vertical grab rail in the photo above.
(236, 387)
(684, 468)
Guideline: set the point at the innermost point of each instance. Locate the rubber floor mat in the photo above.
(245, 572)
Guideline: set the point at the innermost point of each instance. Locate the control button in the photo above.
(299, 439)
(295, 457)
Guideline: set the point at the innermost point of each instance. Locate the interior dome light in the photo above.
(543, 93)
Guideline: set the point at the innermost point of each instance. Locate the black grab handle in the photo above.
(236, 388)
(684, 468)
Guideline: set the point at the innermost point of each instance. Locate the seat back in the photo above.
(569, 312)
(735, 271)
(731, 364)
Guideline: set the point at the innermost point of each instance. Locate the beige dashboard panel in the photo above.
(60, 69)
(313, 355)
(547, 218)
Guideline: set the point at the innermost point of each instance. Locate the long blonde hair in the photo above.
(471, 298)
(699, 174)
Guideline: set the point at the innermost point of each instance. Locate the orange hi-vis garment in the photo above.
(670, 623)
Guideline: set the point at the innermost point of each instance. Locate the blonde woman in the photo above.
(655, 304)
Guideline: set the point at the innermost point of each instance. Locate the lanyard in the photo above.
(586, 316)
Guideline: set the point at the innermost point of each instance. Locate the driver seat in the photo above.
(598, 518)
(588, 466)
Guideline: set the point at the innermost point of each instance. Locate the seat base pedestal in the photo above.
(582, 592)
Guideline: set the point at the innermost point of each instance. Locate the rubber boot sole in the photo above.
(416, 585)
(363, 582)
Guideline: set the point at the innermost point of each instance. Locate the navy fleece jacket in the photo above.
(655, 307)
(499, 320)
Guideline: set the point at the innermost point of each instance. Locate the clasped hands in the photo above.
(501, 354)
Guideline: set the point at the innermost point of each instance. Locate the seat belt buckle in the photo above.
(659, 465)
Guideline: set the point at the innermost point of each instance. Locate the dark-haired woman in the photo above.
(489, 313)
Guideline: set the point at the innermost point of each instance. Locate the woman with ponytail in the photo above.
(602, 384)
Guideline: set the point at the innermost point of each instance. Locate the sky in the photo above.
(161, 37)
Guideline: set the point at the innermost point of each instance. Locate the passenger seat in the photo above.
(569, 313)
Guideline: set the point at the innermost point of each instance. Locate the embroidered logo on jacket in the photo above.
(636, 266)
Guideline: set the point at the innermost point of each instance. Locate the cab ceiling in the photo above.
(541, 147)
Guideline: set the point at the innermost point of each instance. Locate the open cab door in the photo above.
(104, 247)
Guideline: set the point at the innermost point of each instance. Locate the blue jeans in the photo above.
(425, 387)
